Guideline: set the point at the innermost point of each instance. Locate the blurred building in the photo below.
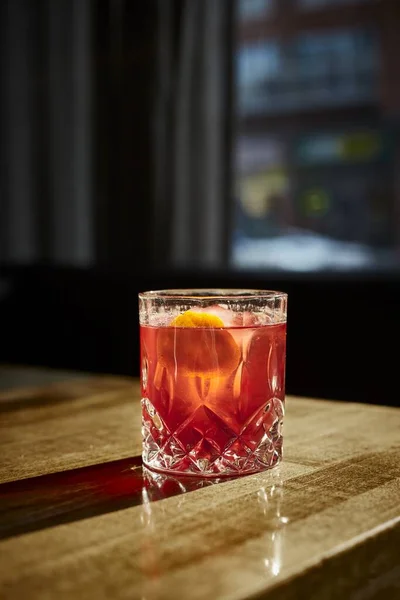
(317, 139)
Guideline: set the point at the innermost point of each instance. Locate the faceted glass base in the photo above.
(218, 450)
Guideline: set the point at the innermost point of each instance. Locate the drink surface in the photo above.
(213, 397)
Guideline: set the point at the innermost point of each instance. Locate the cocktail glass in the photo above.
(212, 380)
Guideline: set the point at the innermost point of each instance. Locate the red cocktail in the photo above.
(213, 388)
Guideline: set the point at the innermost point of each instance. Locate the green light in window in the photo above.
(360, 146)
(316, 202)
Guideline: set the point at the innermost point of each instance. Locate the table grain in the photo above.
(81, 518)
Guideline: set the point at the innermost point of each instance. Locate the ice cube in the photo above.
(228, 317)
(232, 318)
(249, 319)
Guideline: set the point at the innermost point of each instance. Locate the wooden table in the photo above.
(80, 519)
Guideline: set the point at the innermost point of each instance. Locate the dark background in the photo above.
(343, 327)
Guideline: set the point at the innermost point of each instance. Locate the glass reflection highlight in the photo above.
(246, 523)
(270, 500)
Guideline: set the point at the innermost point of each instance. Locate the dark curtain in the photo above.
(115, 132)
(77, 95)
(192, 132)
(46, 128)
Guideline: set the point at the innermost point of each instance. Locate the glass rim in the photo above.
(212, 293)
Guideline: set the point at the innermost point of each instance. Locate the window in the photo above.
(258, 65)
(312, 70)
(316, 156)
(252, 9)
